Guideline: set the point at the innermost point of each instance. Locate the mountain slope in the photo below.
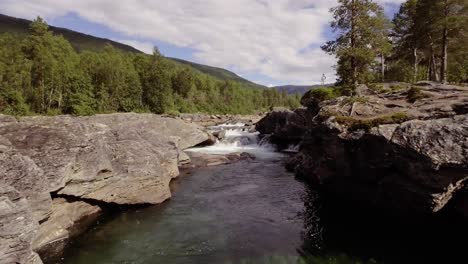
(219, 73)
(300, 89)
(81, 41)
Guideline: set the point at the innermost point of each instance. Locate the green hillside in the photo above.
(219, 73)
(81, 42)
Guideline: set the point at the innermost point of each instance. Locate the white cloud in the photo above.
(273, 38)
(146, 47)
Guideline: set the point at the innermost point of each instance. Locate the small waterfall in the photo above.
(238, 138)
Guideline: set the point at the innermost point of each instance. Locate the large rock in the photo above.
(285, 125)
(17, 228)
(118, 159)
(68, 219)
(388, 151)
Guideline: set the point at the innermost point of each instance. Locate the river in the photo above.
(251, 211)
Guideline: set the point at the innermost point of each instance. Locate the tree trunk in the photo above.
(353, 43)
(443, 67)
(382, 67)
(415, 66)
(435, 73)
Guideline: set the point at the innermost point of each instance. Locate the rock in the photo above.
(17, 228)
(210, 160)
(22, 173)
(184, 159)
(284, 125)
(210, 141)
(220, 135)
(68, 219)
(123, 159)
(119, 158)
(384, 151)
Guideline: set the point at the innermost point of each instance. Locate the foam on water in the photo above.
(238, 140)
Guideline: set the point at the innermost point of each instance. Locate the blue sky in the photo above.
(272, 42)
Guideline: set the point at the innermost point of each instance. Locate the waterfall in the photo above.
(238, 138)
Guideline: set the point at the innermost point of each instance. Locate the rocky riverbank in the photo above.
(58, 173)
(400, 147)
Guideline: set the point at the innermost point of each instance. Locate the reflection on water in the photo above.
(231, 213)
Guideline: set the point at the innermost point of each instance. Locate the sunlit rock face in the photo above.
(125, 159)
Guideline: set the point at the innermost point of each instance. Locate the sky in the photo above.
(271, 42)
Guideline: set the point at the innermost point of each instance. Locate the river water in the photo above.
(250, 211)
(254, 211)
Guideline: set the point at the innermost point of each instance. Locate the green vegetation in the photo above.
(354, 124)
(415, 94)
(43, 74)
(329, 93)
(355, 99)
(427, 41)
(363, 37)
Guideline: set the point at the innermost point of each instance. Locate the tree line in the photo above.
(426, 40)
(43, 74)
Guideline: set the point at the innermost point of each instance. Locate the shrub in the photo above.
(367, 124)
(378, 88)
(323, 94)
(414, 94)
(13, 103)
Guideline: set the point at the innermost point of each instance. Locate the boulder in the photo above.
(125, 159)
(17, 228)
(68, 219)
(284, 125)
(406, 155)
(119, 158)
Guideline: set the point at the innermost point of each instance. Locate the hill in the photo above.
(219, 73)
(81, 41)
(298, 89)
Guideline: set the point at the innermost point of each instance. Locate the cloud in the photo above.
(279, 39)
(146, 47)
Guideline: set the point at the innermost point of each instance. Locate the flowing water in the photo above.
(255, 212)
(243, 212)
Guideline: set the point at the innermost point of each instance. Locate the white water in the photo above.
(238, 140)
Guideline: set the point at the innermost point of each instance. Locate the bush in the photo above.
(13, 103)
(323, 94)
(414, 94)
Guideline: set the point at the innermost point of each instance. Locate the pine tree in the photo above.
(359, 23)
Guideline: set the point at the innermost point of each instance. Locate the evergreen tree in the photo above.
(359, 23)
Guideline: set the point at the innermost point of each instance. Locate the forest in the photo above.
(43, 74)
(426, 40)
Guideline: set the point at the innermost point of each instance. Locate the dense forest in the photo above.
(43, 74)
(427, 40)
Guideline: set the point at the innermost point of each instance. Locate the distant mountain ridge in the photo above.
(81, 42)
(299, 89)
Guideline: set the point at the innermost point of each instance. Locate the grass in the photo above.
(396, 87)
(355, 99)
(377, 87)
(354, 124)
